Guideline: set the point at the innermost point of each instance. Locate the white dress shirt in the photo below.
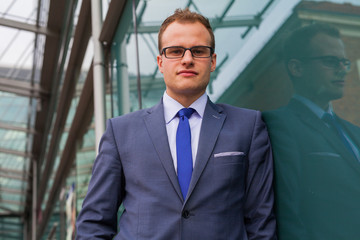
(171, 108)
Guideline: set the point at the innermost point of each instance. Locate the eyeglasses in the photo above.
(175, 52)
(332, 62)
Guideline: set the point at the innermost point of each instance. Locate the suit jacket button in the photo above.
(186, 214)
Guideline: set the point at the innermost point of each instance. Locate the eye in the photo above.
(331, 61)
(199, 51)
(175, 51)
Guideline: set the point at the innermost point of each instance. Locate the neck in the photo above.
(323, 104)
(185, 100)
(315, 98)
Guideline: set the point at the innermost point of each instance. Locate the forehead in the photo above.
(325, 45)
(185, 34)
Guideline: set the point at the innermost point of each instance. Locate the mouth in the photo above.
(187, 73)
(339, 82)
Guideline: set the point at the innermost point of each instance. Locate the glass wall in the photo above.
(234, 24)
(295, 81)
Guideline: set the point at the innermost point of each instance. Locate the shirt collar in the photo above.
(318, 111)
(171, 106)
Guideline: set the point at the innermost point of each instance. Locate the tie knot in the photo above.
(186, 112)
(329, 118)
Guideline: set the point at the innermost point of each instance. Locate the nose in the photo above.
(342, 70)
(344, 67)
(187, 58)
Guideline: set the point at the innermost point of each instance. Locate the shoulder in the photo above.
(280, 114)
(349, 125)
(232, 110)
(136, 116)
(238, 115)
(130, 116)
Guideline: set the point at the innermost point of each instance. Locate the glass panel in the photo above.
(19, 10)
(316, 167)
(295, 82)
(13, 109)
(12, 183)
(16, 51)
(228, 22)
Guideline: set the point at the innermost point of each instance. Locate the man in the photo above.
(222, 189)
(317, 168)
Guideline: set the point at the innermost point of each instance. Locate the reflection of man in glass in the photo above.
(316, 153)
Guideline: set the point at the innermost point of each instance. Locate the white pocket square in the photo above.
(225, 154)
(327, 154)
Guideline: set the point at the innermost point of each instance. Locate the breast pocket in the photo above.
(229, 172)
(229, 158)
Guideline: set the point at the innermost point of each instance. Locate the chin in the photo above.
(336, 96)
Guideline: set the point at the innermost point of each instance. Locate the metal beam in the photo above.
(11, 171)
(52, 231)
(98, 71)
(111, 21)
(12, 202)
(147, 82)
(22, 88)
(53, 47)
(11, 191)
(7, 210)
(15, 152)
(215, 23)
(80, 42)
(80, 123)
(27, 27)
(9, 176)
(10, 234)
(16, 128)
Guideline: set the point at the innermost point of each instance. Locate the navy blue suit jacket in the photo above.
(317, 179)
(230, 195)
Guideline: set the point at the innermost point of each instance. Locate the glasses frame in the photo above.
(163, 51)
(345, 62)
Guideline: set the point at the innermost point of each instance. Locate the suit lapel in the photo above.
(212, 123)
(352, 131)
(310, 119)
(156, 126)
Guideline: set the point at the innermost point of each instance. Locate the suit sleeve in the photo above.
(287, 158)
(98, 216)
(259, 216)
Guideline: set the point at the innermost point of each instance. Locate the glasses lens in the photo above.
(335, 63)
(331, 62)
(201, 52)
(174, 52)
(347, 64)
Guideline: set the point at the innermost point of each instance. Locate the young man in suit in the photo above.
(218, 185)
(317, 168)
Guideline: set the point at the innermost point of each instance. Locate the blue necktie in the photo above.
(329, 119)
(183, 150)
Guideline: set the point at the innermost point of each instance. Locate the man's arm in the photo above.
(98, 217)
(259, 216)
(287, 165)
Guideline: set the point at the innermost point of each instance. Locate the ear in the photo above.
(213, 62)
(295, 67)
(160, 63)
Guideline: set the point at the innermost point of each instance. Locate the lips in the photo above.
(339, 82)
(187, 73)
